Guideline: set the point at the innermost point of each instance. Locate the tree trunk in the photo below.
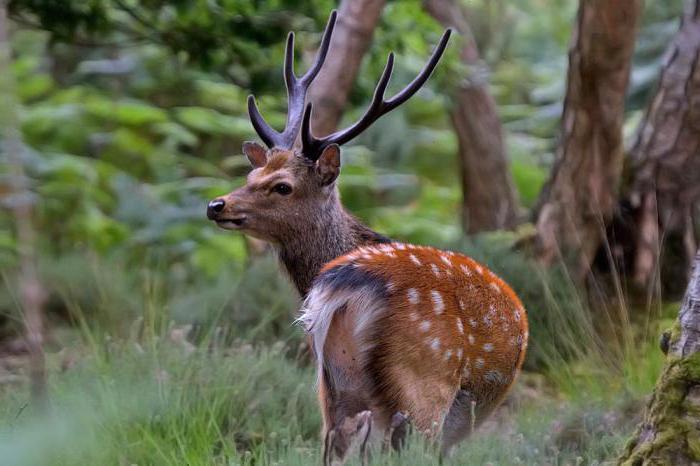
(670, 431)
(489, 198)
(20, 201)
(664, 185)
(581, 194)
(352, 37)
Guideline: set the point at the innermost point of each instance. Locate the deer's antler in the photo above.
(296, 93)
(312, 147)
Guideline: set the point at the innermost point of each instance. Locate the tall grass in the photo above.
(157, 368)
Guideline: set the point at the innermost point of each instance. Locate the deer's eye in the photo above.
(282, 188)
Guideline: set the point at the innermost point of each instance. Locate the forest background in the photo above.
(557, 142)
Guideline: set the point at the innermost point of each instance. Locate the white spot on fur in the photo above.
(479, 363)
(495, 287)
(413, 297)
(390, 287)
(460, 326)
(462, 306)
(459, 353)
(435, 344)
(488, 347)
(415, 260)
(472, 322)
(425, 326)
(466, 270)
(435, 269)
(400, 246)
(490, 316)
(446, 260)
(479, 269)
(471, 339)
(448, 354)
(438, 304)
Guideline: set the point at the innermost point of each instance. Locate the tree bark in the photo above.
(581, 194)
(352, 37)
(670, 431)
(20, 200)
(664, 185)
(489, 197)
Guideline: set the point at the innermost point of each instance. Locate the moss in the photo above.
(670, 417)
(693, 439)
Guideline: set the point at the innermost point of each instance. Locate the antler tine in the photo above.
(296, 93)
(312, 146)
(310, 75)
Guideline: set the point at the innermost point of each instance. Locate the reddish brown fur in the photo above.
(420, 377)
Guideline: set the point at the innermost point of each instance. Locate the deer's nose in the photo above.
(214, 208)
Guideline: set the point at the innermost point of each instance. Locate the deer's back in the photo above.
(424, 321)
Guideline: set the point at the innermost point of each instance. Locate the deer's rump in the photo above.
(403, 328)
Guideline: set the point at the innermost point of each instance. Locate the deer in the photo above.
(400, 333)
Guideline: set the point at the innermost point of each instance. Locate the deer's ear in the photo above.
(328, 165)
(257, 155)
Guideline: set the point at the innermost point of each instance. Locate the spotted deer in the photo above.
(400, 332)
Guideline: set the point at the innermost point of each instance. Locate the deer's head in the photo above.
(290, 184)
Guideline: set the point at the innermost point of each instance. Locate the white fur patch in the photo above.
(323, 302)
(413, 296)
(438, 304)
(415, 260)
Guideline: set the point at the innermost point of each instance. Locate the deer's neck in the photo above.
(330, 234)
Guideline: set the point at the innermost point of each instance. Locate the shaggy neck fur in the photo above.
(330, 233)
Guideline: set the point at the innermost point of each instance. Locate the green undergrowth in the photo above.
(165, 402)
(152, 365)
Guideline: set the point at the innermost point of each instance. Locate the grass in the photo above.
(135, 379)
(173, 404)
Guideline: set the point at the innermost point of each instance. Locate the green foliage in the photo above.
(159, 400)
(133, 114)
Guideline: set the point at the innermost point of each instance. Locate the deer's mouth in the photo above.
(231, 223)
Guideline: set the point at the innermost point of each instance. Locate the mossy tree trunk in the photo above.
(581, 195)
(489, 195)
(670, 432)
